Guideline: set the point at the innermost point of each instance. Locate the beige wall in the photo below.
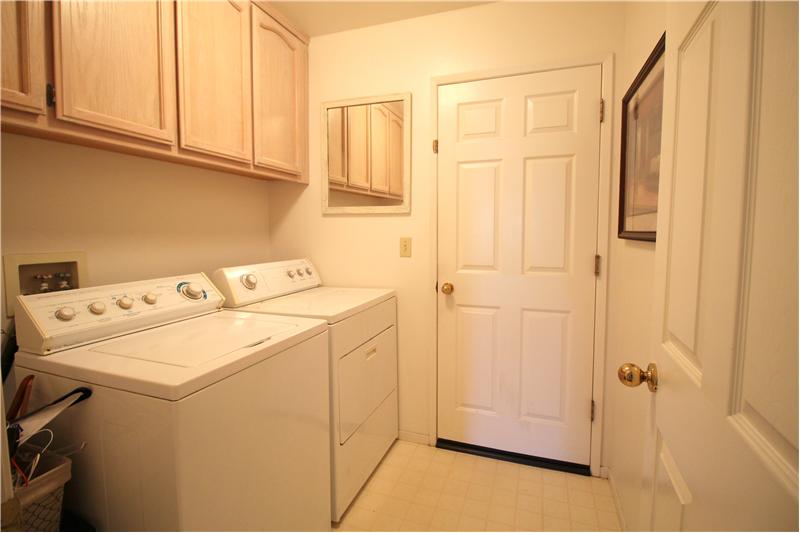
(135, 218)
(399, 57)
(630, 292)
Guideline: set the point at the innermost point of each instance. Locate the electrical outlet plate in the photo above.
(13, 262)
(405, 246)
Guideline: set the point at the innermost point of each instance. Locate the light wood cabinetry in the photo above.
(219, 85)
(337, 159)
(115, 66)
(358, 146)
(280, 109)
(214, 78)
(379, 148)
(395, 155)
(23, 56)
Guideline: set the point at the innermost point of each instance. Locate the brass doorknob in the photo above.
(447, 288)
(633, 376)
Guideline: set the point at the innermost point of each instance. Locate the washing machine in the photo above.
(200, 418)
(362, 326)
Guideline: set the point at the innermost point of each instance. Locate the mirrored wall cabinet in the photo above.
(366, 160)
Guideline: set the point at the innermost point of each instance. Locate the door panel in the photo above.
(725, 329)
(337, 155)
(214, 78)
(518, 182)
(279, 108)
(358, 146)
(115, 66)
(23, 69)
(395, 155)
(379, 148)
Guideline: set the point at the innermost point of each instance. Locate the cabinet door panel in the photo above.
(379, 148)
(395, 156)
(23, 69)
(214, 78)
(115, 66)
(358, 146)
(337, 160)
(279, 81)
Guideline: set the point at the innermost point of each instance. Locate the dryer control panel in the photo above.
(55, 321)
(248, 284)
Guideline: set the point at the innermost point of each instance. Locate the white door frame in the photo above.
(606, 61)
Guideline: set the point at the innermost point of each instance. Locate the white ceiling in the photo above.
(319, 18)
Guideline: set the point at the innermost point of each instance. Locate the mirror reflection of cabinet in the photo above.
(337, 157)
(395, 155)
(358, 147)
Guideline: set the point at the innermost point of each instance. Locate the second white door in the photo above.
(517, 231)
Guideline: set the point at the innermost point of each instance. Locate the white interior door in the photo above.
(723, 453)
(517, 231)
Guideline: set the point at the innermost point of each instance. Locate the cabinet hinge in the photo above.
(592, 410)
(436, 146)
(602, 110)
(51, 95)
(436, 287)
(597, 261)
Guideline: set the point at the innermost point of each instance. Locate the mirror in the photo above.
(366, 159)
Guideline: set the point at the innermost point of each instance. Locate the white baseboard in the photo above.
(410, 436)
(615, 496)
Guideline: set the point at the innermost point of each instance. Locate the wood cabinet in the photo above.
(358, 146)
(379, 148)
(395, 155)
(214, 78)
(115, 66)
(23, 56)
(280, 108)
(336, 125)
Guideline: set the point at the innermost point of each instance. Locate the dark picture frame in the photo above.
(640, 152)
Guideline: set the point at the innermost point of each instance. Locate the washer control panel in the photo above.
(248, 284)
(58, 320)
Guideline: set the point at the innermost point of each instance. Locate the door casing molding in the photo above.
(606, 62)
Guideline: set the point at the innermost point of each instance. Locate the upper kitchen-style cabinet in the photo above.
(280, 109)
(23, 56)
(214, 78)
(115, 66)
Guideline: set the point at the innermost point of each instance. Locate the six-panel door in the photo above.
(115, 66)
(23, 49)
(214, 78)
(279, 95)
(518, 185)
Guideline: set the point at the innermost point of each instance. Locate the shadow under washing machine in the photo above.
(362, 326)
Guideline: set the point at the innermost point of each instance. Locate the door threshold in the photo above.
(512, 457)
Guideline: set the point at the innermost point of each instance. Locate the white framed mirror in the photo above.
(366, 155)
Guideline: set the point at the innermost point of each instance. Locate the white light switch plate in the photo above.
(405, 246)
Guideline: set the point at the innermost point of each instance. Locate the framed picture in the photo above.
(641, 149)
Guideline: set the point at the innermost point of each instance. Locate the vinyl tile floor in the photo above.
(421, 488)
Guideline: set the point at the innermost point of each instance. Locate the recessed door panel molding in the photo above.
(23, 50)
(476, 357)
(517, 215)
(480, 120)
(279, 95)
(214, 77)
(478, 184)
(549, 112)
(671, 494)
(548, 208)
(115, 66)
(689, 184)
(545, 353)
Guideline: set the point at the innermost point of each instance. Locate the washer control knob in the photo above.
(249, 281)
(299, 271)
(193, 291)
(97, 308)
(308, 271)
(150, 298)
(126, 302)
(290, 273)
(65, 314)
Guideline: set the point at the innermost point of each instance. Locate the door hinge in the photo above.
(51, 95)
(602, 110)
(592, 410)
(597, 261)
(436, 146)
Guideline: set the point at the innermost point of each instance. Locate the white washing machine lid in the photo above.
(332, 304)
(178, 359)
